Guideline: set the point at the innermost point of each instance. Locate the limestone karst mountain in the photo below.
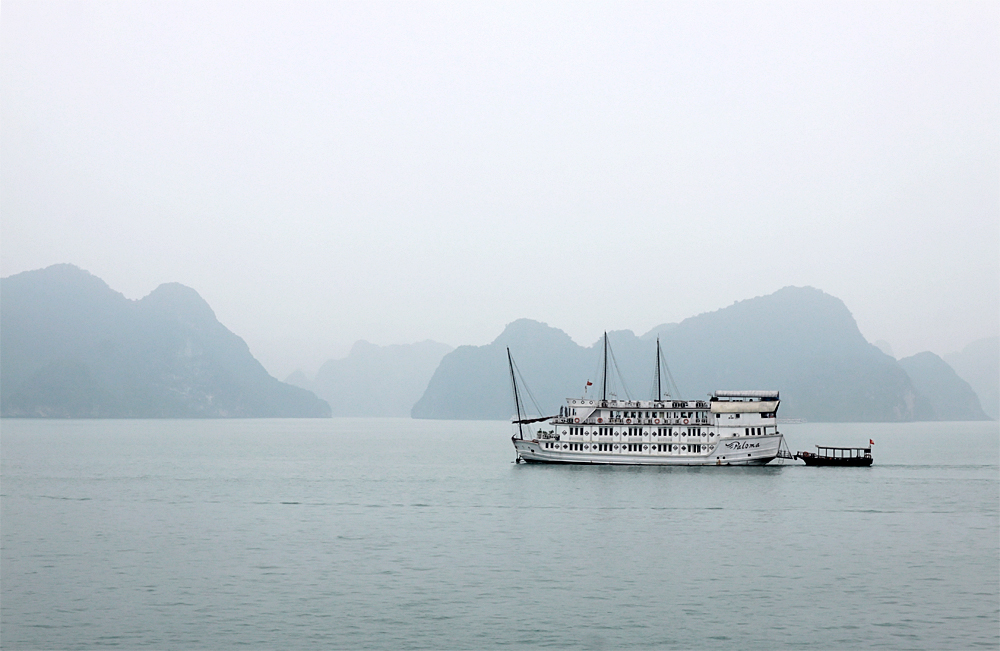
(74, 348)
(798, 340)
(375, 380)
(472, 381)
(950, 396)
(979, 365)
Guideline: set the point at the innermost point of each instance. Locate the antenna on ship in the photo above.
(604, 384)
(517, 399)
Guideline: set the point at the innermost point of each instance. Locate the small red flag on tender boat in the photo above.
(871, 442)
(589, 383)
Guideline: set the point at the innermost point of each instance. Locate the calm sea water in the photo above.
(401, 534)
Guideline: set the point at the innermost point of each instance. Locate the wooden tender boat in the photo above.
(830, 456)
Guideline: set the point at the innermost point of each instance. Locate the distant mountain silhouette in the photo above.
(885, 347)
(979, 365)
(950, 396)
(74, 348)
(375, 380)
(798, 340)
(472, 382)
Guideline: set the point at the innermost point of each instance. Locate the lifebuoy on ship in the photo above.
(628, 420)
(685, 421)
(576, 420)
(657, 421)
(600, 420)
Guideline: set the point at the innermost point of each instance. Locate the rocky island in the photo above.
(74, 348)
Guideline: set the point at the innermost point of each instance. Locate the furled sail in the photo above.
(532, 420)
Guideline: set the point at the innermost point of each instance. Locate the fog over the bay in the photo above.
(323, 172)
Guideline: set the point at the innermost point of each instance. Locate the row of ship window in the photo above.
(623, 447)
(646, 415)
(636, 431)
(660, 431)
(659, 414)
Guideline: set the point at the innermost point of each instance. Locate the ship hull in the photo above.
(737, 451)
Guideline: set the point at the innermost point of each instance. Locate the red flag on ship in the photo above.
(871, 442)
(589, 383)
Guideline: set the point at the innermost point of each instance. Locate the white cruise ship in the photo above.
(730, 428)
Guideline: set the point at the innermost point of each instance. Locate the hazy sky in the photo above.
(323, 172)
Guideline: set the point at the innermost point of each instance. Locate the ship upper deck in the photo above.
(744, 396)
(637, 404)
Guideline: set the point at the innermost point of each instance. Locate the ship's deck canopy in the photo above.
(759, 395)
(744, 406)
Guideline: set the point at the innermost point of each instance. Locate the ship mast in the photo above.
(659, 390)
(604, 383)
(517, 399)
